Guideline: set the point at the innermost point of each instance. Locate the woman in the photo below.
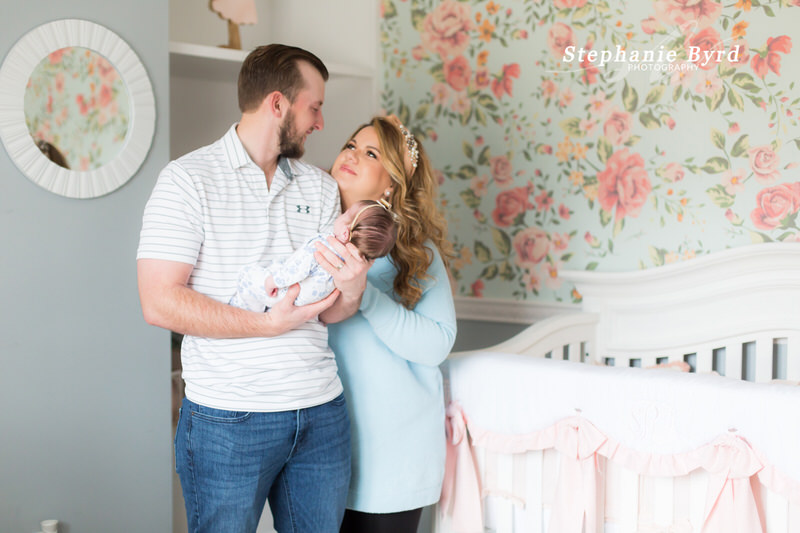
(388, 353)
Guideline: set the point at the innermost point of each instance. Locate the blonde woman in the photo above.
(389, 352)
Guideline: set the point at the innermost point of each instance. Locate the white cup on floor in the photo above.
(49, 526)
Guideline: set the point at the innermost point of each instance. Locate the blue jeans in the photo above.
(230, 463)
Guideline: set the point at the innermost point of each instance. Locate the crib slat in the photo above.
(664, 496)
(681, 497)
(574, 352)
(531, 517)
(704, 360)
(629, 500)
(776, 509)
(764, 349)
(698, 487)
(793, 357)
(733, 361)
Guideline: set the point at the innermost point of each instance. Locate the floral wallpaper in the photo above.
(598, 135)
(76, 101)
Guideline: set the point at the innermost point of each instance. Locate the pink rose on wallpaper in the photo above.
(707, 40)
(769, 59)
(445, 29)
(501, 170)
(457, 73)
(559, 38)
(774, 204)
(531, 245)
(617, 127)
(509, 205)
(764, 163)
(57, 56)
(624, 184)
(703, 13)
(564, 212)
(569, 4)
(549, 88)
(477, 288)
(674, 172)
(733, 181)
(441, 93)
(544, 201)
(743, 57)
(560, 241)
(504, 83)
(650, 25)
(418, 53)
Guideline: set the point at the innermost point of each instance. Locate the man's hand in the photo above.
(285, 316)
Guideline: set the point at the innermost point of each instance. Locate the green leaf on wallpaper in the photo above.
(677, 93)
(490, 272)
(656, 255)
(403, 113)
(741, 146)
(592, 266)
(605, 217)
(604, 149)
(389, 10)
(582, 12)
(506, 272)
(725, 23)
(480, 116)
(571, 127)
(417, 19)
(487, 102)
(422, 112)
(483, 157)
(769, 12)
(797, 143)
(629, 98)
(618, 226)
(745, 81)
(720, 196)
(716, 165)
(714, 100)
(735, 100)
(501, 241)
(437, 72)
(467, 149)
(725, 70)
(467, 172)
(648, 120)
(718, 138)
(655, 94)
(470, 200)
(482, 252)
(757, 237)
(632, 140)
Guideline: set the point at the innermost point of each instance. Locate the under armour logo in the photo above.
(303, 209)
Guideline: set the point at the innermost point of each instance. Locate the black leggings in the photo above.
(402, 522)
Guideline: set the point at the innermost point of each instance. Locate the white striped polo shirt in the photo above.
(212, 209)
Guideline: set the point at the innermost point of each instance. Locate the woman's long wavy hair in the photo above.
(413, 199)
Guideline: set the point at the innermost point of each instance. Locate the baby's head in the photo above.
(370, 226)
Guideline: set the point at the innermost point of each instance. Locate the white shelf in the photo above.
(222, 64)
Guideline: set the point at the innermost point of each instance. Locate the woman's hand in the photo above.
(349, 276)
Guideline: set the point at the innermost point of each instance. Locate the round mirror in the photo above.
(77, 113)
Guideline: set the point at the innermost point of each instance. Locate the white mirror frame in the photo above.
(17, 68)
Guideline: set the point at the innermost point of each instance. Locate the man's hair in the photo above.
(274, 67)
(374, 232)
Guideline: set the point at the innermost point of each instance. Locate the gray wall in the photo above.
(477, 334)
(84, 384)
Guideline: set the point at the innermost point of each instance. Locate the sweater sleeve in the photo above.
(422, 335)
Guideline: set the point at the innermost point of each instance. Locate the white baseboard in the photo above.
(508, 311)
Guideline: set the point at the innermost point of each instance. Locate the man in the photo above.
(264, 416)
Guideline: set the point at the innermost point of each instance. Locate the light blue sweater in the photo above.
(388, 359)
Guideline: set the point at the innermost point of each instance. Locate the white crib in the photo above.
(559, 447)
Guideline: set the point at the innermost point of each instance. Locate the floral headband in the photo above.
(412, 149)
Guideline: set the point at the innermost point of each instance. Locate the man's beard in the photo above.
(289, 143)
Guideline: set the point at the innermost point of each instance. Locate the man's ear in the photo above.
(275, 104)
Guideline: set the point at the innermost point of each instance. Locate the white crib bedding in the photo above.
(651, 411)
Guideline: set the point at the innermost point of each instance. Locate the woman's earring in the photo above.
(387, 193)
